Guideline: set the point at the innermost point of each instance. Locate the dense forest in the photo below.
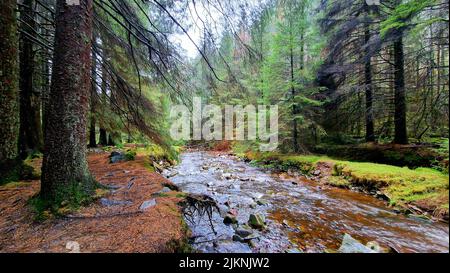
(362, 90)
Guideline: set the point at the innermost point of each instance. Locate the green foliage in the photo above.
(401, 185)
(130, 155)
(68, 198)
(403, 14)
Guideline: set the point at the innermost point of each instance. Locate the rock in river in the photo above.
(230, 219)
(351, 245)
(257, 221)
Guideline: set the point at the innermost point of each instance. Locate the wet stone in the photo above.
(256, 221)
(351, 245)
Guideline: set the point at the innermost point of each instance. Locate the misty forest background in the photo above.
(353, 80)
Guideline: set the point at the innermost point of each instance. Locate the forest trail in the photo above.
(300, 213)
(114, 223)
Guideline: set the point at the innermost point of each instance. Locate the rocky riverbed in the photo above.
(260, 211)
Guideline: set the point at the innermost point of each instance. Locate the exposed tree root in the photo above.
(199, 205)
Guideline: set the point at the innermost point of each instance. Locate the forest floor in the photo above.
(114, 223)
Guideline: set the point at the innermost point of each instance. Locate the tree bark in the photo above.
(30, 135)
(370, 131)
(9, 89)
(65, 173)
(103, 139)
(401, 136)
(92, 138)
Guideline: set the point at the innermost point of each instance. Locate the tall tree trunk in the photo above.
(103, 138)
(370, 131)
(401, 136)
(30, 136)
(92, 138)
(65, 173)
(111, 140)
(9, 91)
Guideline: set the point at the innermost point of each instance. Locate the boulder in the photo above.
(257, 221)
(116, 156)
(230, 219)
(351, 245)
(244, 231)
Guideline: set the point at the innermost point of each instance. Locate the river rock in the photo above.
(238, 238)
(147, 204)
(230, 219)
(171, 174)
(351, 245)
(244, 231)
(256, 221)
(227, 176)
(261, 202)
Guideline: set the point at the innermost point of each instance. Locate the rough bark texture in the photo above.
(103, 139)
(65, 173)
(400, 96)
(370, 131)
(30, 136)
(92, 137)
(9, 91)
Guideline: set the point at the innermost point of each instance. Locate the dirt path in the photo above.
(112, 224)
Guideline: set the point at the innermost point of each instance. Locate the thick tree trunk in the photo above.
(93, 103)
(30, 136)
(111, 140)
(103, 139)
(65, 173)
(92, 136)
(370, 131)
(9, 89)
(399, 93)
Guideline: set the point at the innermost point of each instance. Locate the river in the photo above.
(300, 214)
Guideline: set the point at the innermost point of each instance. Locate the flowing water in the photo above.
(300, 214)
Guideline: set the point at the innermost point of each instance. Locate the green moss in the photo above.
(339, 182)
(67, 199)
(16, 170)
(130, 155)
(181, 245)
(401, 185)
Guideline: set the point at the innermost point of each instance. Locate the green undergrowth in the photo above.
(425, 187)
(67, 200)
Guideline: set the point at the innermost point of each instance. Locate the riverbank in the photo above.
(130, 216)
(294, 212)
(422, 191)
